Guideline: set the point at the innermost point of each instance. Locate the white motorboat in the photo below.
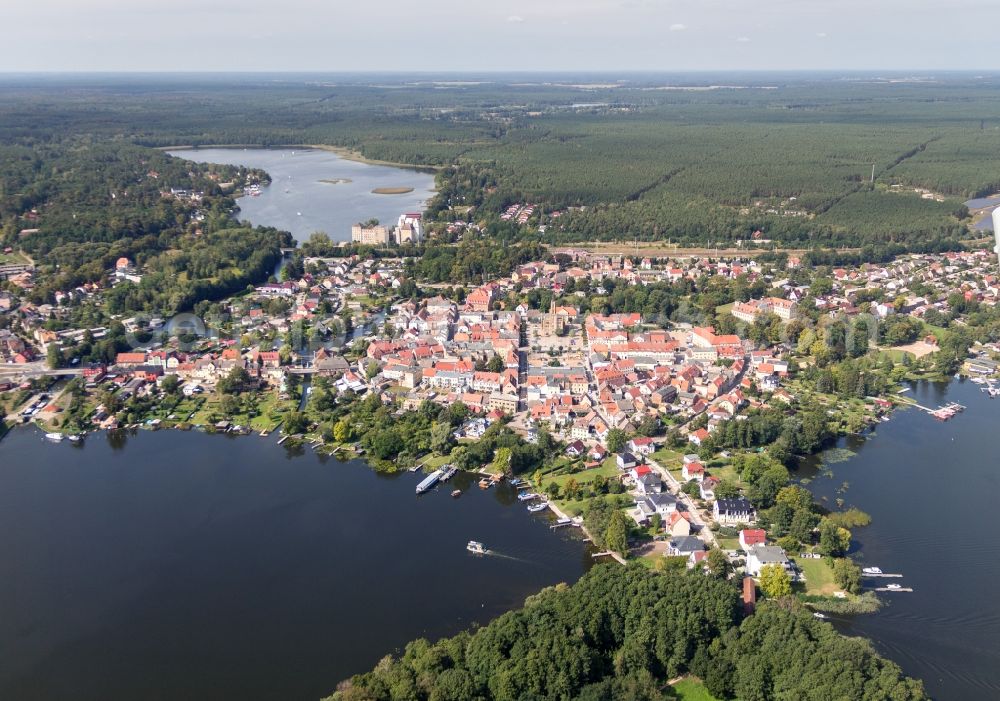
(476, 547)
(54, 437)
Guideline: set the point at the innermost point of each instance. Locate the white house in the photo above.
(762, 555)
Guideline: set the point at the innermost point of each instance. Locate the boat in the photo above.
(74, 438)
(485, 483)
(535, 508)
(893, 586)
(55, 437)
(817, 614)
(457, 493)
(429, 481)
(871, 570)
(476, 547)
(527, 496)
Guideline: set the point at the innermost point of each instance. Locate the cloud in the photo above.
(821, 35)
(678, 27)
(515, 19)
(743, 40)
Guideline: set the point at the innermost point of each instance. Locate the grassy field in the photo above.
(819, 577)
(13, 258)
(692, 690)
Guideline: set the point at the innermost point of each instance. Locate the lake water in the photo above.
(991, 202)
(174, 565)
(932, 490)
(300, 202)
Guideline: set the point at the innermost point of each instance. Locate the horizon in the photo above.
(604, 35)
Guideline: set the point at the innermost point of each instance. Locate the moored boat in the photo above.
(54, 437)
(457, 493)
(429, 481)
(871, 570)
(534, 508)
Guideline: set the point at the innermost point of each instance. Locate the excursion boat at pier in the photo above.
(429, 481)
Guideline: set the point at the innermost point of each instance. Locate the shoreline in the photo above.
(344, 152)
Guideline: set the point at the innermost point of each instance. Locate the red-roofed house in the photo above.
(750, 537)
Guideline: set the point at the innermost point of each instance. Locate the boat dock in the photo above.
(943, 413)
(560, 523)
(866, 574)
(893, 590)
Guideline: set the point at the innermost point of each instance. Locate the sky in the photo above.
(496, 35)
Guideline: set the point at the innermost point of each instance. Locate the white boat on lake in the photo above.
(476, 547)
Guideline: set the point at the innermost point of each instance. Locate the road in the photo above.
(36, 369)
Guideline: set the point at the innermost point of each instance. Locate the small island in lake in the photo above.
(336, 181)
(392, 190)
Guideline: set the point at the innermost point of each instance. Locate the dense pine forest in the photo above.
(789, 156)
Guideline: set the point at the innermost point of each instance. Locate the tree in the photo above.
(53, 357)
(229, 405)
(457, 413)
(833, 540)
(726, 489)
(342, 431)
(616, 537)
(495, 363)
(235, 382)
(571, 490)
(295, 422)
(717, 564)
(441, 437)
(616, 440)
(501, 460)
(775, 582)
(170, 384)
(847, 574)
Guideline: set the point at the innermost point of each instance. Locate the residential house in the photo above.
(759, 556)
(750, 537)
(683, 546)
(733, 511)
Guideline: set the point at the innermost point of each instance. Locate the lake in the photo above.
(169, 565)
(300, 202)
(991, 202)
(932, 490)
